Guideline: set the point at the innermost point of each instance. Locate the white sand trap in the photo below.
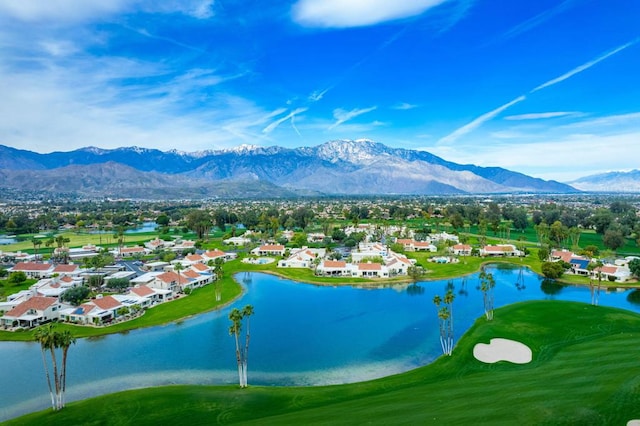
(502, 350)
(633, 423)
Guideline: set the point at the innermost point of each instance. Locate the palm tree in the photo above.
(64, 340)
(51, 339)
(247, 311)
(36, 244)
(219, 271)
(177, 267)
(44, 336)
(236, 327)
(487, 283)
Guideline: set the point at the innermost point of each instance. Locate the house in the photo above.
(158, 244)
(370, 270)
(461, 249)
(369, 251)
(315, 237)
(194, 258)
(218, 254)
(500, 250)
(34, 311)
(192, 279)
(34, 269)
(398, 265)
(424, 246)
(269, 250)
(67, 270)
(54, 287)
(237, 241)
(147, 295)
(131, 251)
(101, 310)
(302, 258)
(612, 273)
(183, 245)
(336, 268)
(201, 268)
(167, 281)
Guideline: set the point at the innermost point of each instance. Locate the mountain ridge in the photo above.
(340, 167)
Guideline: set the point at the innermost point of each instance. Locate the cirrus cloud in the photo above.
(356, 13)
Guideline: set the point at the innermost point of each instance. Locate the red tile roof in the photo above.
(39, 303)
(32, 266)
(168, 277)
(335, 264)
(215, 253)
(194, 258)
(62, 268)
(142, 291)
(191, 274)
(200, 267)
(369, 267)
(106, 302)
(272, 247)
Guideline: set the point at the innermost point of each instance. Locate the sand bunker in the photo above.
(633, 423)
(502, 350)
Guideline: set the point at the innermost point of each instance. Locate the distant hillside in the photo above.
(610, 182)
(335, 167)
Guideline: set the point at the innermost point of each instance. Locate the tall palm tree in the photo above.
(51, 339)
(247, 311)
(235, 316)
(36, 244)
(64, 340)
(487, 283)
(219, 271)
(177, 267)
(44, 336)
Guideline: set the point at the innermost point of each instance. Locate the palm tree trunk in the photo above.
(46, 373)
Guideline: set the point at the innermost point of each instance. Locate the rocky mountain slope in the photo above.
(335, 167)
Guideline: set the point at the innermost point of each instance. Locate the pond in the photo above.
(301, 334)
(7, 239)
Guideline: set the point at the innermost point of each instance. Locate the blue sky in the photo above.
(550, 88)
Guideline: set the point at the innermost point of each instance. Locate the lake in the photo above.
(301, 334)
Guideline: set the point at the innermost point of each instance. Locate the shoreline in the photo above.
(370, 283)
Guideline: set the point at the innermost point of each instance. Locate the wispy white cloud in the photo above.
(583, 67)
(318, 95)
(343, 116)
(272, 126)
(491, 114)
(542, 115)
(469, 127)
(403, 106)
(356, 13)
(563, 158)
(539, 19)
(73, 11)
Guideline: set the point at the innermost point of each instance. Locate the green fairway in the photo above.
(584, 371)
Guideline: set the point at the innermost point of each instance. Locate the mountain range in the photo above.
(609, 182)
(348, 167)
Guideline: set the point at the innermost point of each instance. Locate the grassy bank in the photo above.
(582, 373)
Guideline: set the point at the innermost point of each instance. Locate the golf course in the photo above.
(583, 370)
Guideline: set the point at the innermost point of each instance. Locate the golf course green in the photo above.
(584, 370)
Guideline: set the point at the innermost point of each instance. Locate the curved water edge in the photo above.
(301, 335)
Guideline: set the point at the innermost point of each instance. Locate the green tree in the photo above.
(613, 239)
(552, 269)
(17, 277)
(75, 295)
(634, 267)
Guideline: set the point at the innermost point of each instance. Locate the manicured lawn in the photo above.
(584, 371)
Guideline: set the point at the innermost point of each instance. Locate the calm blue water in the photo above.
(145, 227)
(301, 334)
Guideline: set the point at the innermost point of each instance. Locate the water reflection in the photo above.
(300, 335)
